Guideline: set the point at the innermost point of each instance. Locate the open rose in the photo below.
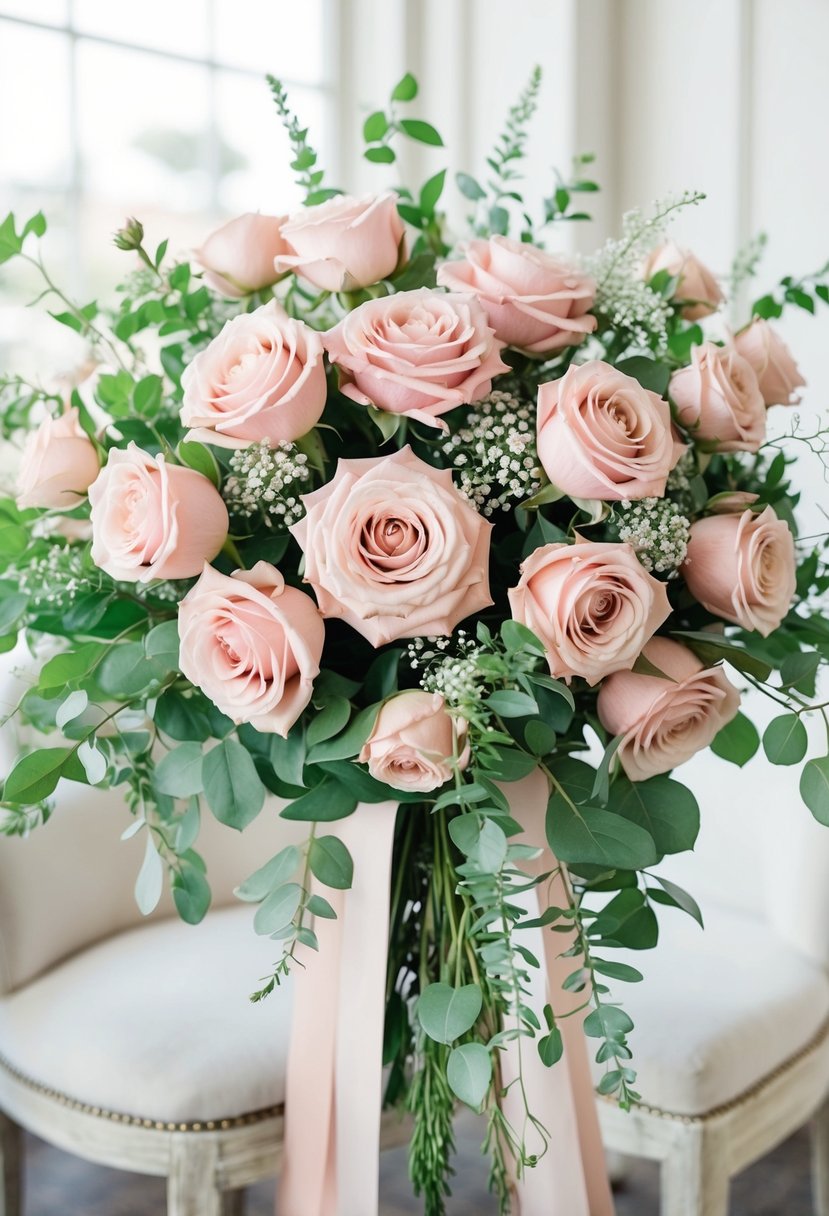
(252, 645)
(58, 464)
(594, 607)
(696, 287)
(344, 243)
(719, 400)
(419, 353)
(151, 519)
(601, 435)
(777, 373)
(238, 258)
(665, 722)
(535, 301)
(394, 549)
(414, 741)
(261, 378)
(742, 568)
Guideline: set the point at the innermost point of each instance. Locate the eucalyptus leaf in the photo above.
(232, 787)
(150, 881)
(278, 910)
(469, 1073)
(330, 862)
(272, 874)
(445, 1013)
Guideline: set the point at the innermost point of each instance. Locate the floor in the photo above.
(59, 1184)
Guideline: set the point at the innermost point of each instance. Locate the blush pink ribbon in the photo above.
(335, 1067)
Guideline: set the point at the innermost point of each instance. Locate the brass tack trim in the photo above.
(817, 1040)
(113, 1116)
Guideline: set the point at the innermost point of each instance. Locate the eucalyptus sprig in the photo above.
(305, 159)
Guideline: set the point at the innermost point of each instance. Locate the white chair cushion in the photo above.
(156, 1023)
(718, 1009)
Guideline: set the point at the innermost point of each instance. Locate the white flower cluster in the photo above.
(622, 295)
(267, 480)
(658, 531)
(456, 676)
(494, 453)
(55, 580)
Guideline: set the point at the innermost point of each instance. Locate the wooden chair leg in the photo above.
(192, 1182)
(820, 1160)
(11, 1167)
(694, 1176)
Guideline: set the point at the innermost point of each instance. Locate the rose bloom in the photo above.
(665, 722)
(601, 435)
(58, 464)
(414, 741)
(252, 645)
(719, 401)
(535, 301)
(151, 519)
(742, 568)
(394, 549)
(262, 377)
(697, 287)
(777, 373)
(238, 258)
(344, 243)
(418, 353)
(594, 606)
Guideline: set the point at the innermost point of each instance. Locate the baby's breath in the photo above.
(448, 666)
(54, 580)
(657, 530)
(494, 453)
(268, 482)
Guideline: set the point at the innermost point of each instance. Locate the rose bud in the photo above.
(344, 243)
(697, 288)
(777, 373)
(238, 258)
(58, 464)
(414, 741)
(719, 401)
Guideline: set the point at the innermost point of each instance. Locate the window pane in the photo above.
(255, 157)
(179, 26)
(34, 92)
(143, 130)
(53, 11)
(284, 37)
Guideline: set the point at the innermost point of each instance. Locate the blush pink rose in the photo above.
(394, 549)
(252, 645)
(742, 568)
(777, 373)
(664, 722)
(151, 519)
(58, 464)
(344, 243)
(697, 288)
(593, 605)
(238, 258)
(535, 301)
(418, 353)
(718, 400)
(414, 742)
(601, 435)
(261, 378)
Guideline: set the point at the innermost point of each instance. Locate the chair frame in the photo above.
(207, 1165)
(699, 1154)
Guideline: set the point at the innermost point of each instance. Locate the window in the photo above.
(159, 110)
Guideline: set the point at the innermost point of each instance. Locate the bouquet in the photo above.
(344, 509)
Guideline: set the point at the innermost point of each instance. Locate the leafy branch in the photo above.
(305, 159)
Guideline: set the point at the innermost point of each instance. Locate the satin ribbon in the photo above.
(334, 1078)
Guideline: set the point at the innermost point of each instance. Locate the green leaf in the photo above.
(71, 708)
(800, 668)
(279, 909)
(445, 1013)
(330, 862)
(431, 192)
(712, 649)
(814, 788)
(317, 905)
(648, 372)
(598, 837)
(181, 718)
(232, 787)
(469, 188)
(126, 671)
(35, 776)
(517, 637)
(469, 1073)
(665, 808)
(70, 666)
(785, 740)
(601, 784)
(162, 645)
(147, 394)
(375, 127)
(510, 704)
(423, 132)
(196, 456)
(12, 608)
(271, 875)
(188, 827)
(617, 971)
(405, 89)
(191, 894)
(510, 764)
(678, 898)
(382, 155)
(363, 786)
(608, 1022)
(288, 756)
(10, 242)
(150, 881)
(738, 740)
(324, 803)
(350, 742)
(551, 1047)
(627, 921)
(37, 225)
(179, 773)
(330, 719)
